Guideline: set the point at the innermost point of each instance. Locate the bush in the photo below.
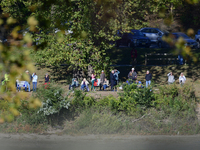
(52, 100)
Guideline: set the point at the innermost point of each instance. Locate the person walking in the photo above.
(170, 78)
(93, 79)
(148, 78)
(112, 80)
(182, 79)
(34, 81)
(102, 78)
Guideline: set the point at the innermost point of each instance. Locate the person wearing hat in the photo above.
(132, 75)
(102, 78)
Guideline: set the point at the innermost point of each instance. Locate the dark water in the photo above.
(100, 143)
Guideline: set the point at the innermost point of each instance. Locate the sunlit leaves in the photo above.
(32, 22)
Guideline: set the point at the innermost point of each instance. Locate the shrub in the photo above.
(52, 100)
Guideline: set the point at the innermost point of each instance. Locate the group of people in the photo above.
(32, 79)
(171, 79)
(132, 77)
(114, 78)
(103, 82)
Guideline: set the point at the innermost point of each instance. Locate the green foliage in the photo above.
(134, 97)
(30, 116)
(178, 99)
(52, 100)
(80, 101)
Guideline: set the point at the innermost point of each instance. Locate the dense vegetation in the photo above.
(135, 111)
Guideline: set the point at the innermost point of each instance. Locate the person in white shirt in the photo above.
(170, 78)
(182, 79)
(34, 81)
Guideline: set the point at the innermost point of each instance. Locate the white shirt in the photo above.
(35, 77)
(182, 78)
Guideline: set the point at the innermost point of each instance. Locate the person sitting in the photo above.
(84, 84)
(139, 84)
(182, 79)
(105, 84)
(74, 84)
(170, 78)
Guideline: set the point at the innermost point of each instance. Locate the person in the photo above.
(139, 84)
(84, 84)
(182, 79)
(148, 78)
(132, 75)
(93, 79)
(134, 56)
(74, 84)
(180, 58)
(46, 80)
(116, 74)
(105, 84)
(112, 80)
(34, 81)
(28, 83)
(170, 78)
(102, 78)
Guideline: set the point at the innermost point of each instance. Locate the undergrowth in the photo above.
(135, 111)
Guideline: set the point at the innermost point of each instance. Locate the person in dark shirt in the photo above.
(148, 78)
(46, 78)
(112, 80)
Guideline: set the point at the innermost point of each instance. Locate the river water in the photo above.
(98, 142)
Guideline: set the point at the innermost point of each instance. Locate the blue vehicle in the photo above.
(133, 38)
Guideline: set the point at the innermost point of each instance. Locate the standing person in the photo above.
(46, 80)
(93, 78)
(28, 83)
(148, 78)
(170, 78)
(112, 80)
(134, 55)
(116, 75)
(34, 81)
(102, 78)
(182, 79)
(132, 74)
